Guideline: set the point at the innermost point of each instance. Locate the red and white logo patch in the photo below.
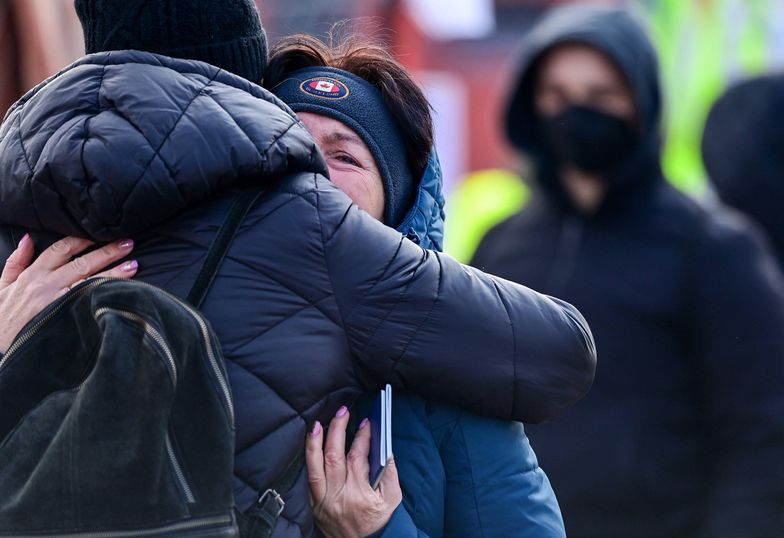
(324, 86)
(328, 88)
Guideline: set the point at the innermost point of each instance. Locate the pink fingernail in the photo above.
(316, 429)
(363, 423)
(24, 240)
(342, 411)
(126, 244)
(130, 266)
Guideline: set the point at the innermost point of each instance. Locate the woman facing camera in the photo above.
(461, 474)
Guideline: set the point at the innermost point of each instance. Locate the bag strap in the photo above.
(259, 520)
(239, 209)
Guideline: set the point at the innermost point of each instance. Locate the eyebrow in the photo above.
(339, 136)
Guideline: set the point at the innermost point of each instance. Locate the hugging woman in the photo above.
(317, 301)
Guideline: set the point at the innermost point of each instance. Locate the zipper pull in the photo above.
(412, 236)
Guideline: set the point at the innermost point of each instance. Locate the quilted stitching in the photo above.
(163, 142)
(93, 70)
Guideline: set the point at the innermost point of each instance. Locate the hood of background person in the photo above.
(424, 222)
(615, 33)
(122, 141)
(743, 150)
(226, 33)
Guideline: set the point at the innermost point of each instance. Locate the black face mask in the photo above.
(592, 141)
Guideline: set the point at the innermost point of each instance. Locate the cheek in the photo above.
(548, 103)
(367, 193)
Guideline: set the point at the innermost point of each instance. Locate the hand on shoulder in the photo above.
(27, 286)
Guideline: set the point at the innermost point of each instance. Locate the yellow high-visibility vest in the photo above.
(703, 46)
(482, 200)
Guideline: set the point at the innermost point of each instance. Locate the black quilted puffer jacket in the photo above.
(316, 301)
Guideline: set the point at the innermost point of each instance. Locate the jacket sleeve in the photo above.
(429, 325)
(401, 525)
(739, 334)
(494, 484)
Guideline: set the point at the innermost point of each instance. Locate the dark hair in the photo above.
(375, 64)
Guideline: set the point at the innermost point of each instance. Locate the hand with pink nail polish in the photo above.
(344, 503)
(27, 287)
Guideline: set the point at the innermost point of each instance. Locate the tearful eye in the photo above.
(347, 159)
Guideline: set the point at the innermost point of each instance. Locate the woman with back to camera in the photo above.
(462, 474)
(307, 267)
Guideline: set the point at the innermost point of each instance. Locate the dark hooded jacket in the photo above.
(681, 434)
(743, 150)
(132, 144)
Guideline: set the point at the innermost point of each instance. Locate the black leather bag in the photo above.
(116, 417)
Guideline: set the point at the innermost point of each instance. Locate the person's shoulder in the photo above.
(700, 220)
(730, 232)
(309, 186)
(506, 234)
(720, 236)
(152, 94)
(669, 207)
(149, 134)
(319, 202)
(703, 219)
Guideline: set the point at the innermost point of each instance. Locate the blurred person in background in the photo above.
(462, 474)
(316, 300)
(743, 150)
(682, 432)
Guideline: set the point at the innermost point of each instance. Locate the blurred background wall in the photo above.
(462, 51)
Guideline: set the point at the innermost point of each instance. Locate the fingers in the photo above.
(390, 484)
(314, 460)
(60, 253)
(125, 270)
(18, 261)
(335, 449)
(86, 266)
(358, 464)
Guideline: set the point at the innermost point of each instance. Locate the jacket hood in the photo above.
(424, 222)
(612, 31)
(745, 158)
(121, 141)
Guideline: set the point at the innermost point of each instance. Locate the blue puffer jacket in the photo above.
(462, 474)
(316, 302)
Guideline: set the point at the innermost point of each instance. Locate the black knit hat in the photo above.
(224, 33)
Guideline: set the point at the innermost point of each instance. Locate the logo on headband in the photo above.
(326, 88)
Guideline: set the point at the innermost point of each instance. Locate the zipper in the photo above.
(205, 334)
(149, 331)
(163, 346)
(178, 471)
(89, 285)
(53, 310)
(566, 250)
(225, 523)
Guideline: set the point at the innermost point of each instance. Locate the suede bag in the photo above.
(116, 418)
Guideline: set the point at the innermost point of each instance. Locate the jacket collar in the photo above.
(424, 222)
